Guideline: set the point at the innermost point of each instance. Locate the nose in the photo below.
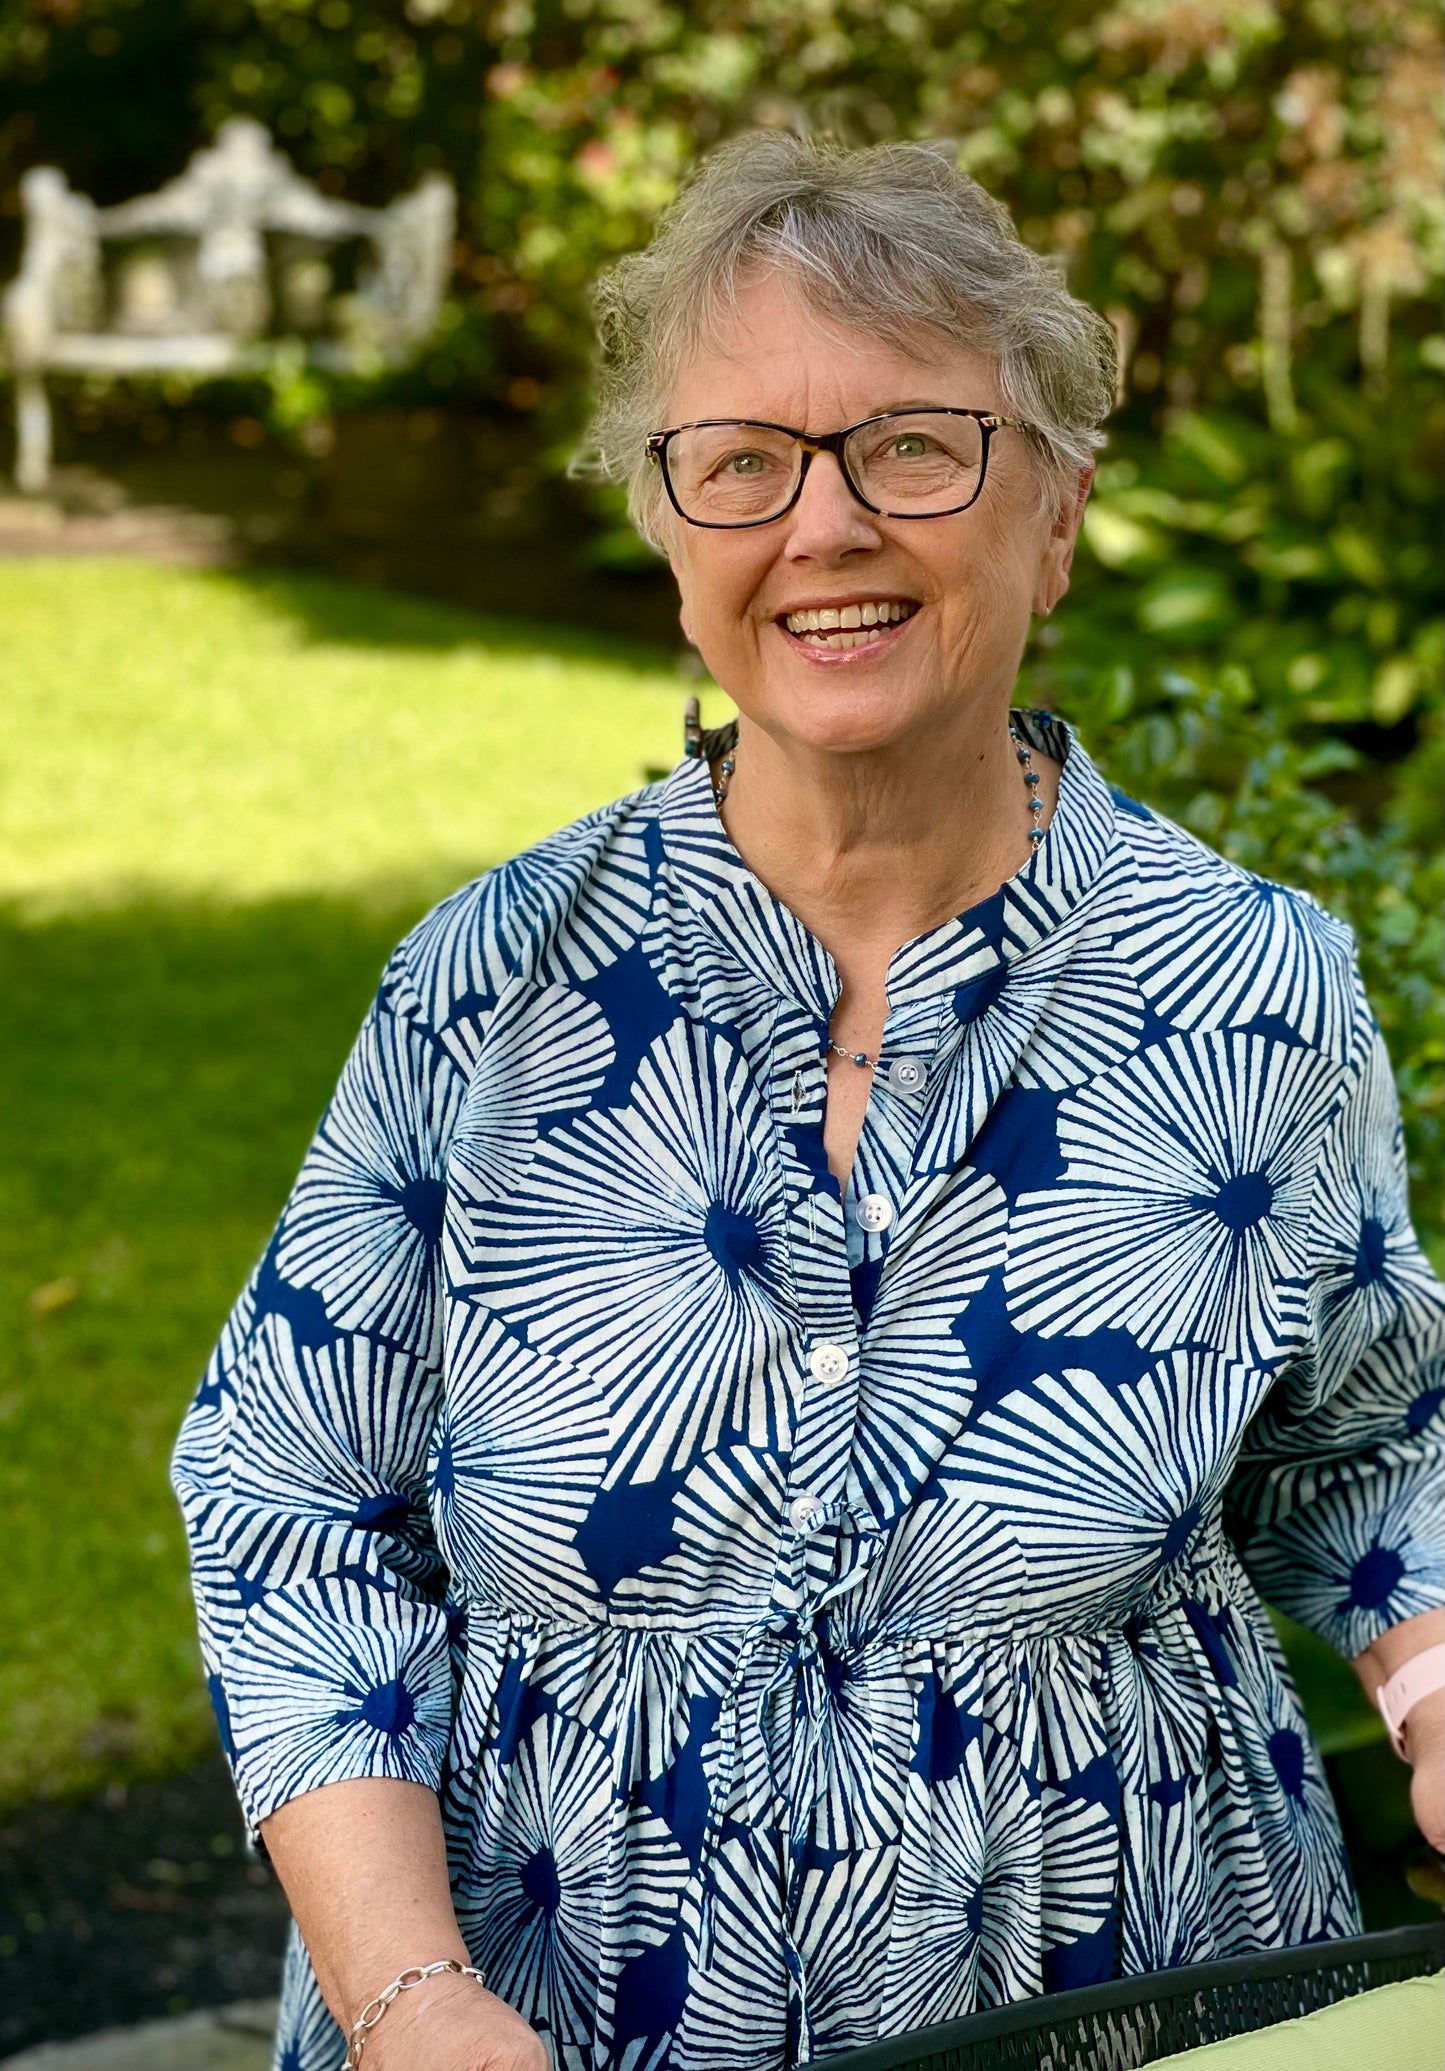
(827, 522)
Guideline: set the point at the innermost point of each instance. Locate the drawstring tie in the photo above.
(803, 1670)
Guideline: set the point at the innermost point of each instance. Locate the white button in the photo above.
(802, 1511)
(828, 1363)
(873, 1212)
(908, 1075)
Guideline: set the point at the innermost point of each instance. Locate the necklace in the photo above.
(1024, 754)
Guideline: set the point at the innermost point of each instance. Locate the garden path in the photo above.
(228, 2038)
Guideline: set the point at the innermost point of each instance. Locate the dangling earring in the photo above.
(692, 729)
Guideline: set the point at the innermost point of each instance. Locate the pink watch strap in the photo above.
(1422, 1675)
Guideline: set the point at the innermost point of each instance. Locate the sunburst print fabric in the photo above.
(826, 1612)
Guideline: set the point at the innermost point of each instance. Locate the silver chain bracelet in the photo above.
(372, 2012)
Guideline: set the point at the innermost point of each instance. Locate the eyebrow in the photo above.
(926, 403)
(882, 410)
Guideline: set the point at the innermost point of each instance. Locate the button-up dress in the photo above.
(825, 1613)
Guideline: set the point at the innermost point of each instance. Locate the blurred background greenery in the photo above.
(226, 793)
(1251, 189)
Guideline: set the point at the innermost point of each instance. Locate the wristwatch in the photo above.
(1422, 1675)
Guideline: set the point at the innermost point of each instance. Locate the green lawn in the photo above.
(222, 799)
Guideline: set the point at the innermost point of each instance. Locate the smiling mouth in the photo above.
(844, 626)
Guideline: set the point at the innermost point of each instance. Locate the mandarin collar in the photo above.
(740, 911)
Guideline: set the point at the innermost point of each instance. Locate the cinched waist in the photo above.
(856, 1629)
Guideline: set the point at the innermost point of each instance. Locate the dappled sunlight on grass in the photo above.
(224, 799)
(241, 736)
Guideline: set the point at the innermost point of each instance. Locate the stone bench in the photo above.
(231, 265)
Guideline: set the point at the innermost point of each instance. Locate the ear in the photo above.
(1057, 558)
(677, 563)
(684, 613)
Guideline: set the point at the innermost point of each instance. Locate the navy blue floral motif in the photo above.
(815, 1632)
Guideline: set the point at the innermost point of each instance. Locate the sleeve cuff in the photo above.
(329, 1681)
(1353, 1564)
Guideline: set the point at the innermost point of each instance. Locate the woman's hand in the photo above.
(1425, 1751)
(452, 2024)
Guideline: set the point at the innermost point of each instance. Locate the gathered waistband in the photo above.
(1208, 1583)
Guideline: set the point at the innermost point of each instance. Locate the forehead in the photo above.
(771, 352)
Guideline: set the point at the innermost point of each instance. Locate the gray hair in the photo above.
(892, 240)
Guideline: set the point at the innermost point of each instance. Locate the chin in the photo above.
(842, 718)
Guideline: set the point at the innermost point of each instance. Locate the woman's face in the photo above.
(972, 580)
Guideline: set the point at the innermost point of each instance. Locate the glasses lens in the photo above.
(732, 474)
(918, 461)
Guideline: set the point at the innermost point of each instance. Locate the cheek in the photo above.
(992, 576)
(717, 585)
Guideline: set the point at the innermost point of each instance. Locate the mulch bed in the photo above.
(141, 1904)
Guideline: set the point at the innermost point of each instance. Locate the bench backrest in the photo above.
(237, 251)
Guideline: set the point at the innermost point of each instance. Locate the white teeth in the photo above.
(847, 618)
(864, 637)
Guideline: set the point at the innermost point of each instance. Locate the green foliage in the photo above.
(1250, 189)
(1292, 557)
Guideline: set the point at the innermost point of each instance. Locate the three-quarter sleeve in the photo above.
(301, 1467)
(1335, 1503)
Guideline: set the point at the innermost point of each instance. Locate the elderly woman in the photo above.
(733, 1504)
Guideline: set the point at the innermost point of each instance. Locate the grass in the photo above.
(183, 735)
(222, 800)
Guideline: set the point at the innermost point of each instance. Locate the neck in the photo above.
(873, 848)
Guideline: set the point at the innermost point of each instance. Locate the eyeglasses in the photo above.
(725, 472)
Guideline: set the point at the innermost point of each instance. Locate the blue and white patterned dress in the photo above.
(817, 1632)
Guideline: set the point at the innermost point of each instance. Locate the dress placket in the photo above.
(818, 1467)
